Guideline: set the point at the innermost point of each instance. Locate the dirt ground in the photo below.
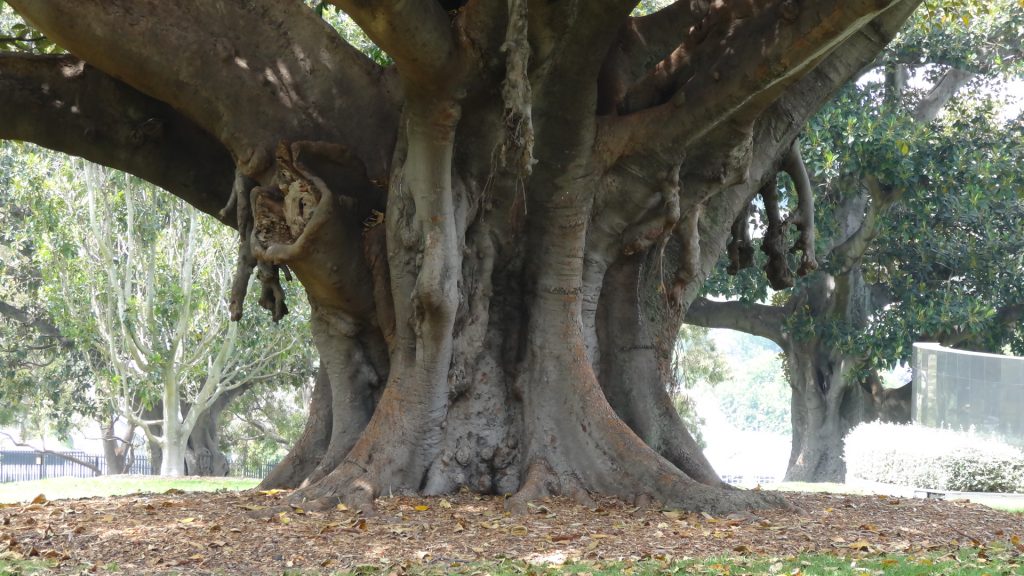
(253, 533)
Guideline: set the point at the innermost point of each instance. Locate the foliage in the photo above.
(946, 261)
(923, 457)
(697, 359)
(697, 362)
(17, 35)
(756, 398)
(45, 378)
(949, 255)
(350, 31)
(264, 423)
(140, 311)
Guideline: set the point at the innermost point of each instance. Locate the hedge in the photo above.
(922, 457)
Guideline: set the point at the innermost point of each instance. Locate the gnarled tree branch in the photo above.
(757, 319)
(265, 54)
(66, 105)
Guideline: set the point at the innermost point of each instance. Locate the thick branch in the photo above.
(774, 45)
(233, 67)
(757, 319)
(941, 93)
(847, 254)
(65, 105)
(415, 33)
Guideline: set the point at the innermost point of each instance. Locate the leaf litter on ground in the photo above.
(233, 533)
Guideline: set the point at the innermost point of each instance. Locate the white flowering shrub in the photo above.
(922, 457)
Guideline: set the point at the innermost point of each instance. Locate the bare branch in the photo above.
(757, 319)
(273, 52)
(940, 94)
(803, 216)
(86, 113)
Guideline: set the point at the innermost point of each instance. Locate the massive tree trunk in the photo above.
(486, 230)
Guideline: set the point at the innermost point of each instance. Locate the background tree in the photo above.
(481, 227)
(151, 285)
(113, 282)
(33, 349)
(919, 219)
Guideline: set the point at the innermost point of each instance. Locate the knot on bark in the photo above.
(148, 130)
(790, 10)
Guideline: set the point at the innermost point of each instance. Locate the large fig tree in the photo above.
(498, 231)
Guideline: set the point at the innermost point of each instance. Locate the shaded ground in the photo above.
(224, 532)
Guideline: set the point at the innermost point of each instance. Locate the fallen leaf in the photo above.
(422, 508)
(444, 504)
(862, 545)
(271, 492)
(41, 499)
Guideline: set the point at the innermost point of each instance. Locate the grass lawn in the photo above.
(968, 562)
(60, 488)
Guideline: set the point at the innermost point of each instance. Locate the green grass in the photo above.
(61, 488)
(968, 562)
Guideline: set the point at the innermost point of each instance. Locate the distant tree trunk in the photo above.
(119, 452)
(156, 453)
(826, 404)
(204, 456)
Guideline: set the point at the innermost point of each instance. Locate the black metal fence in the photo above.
(22, 465)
